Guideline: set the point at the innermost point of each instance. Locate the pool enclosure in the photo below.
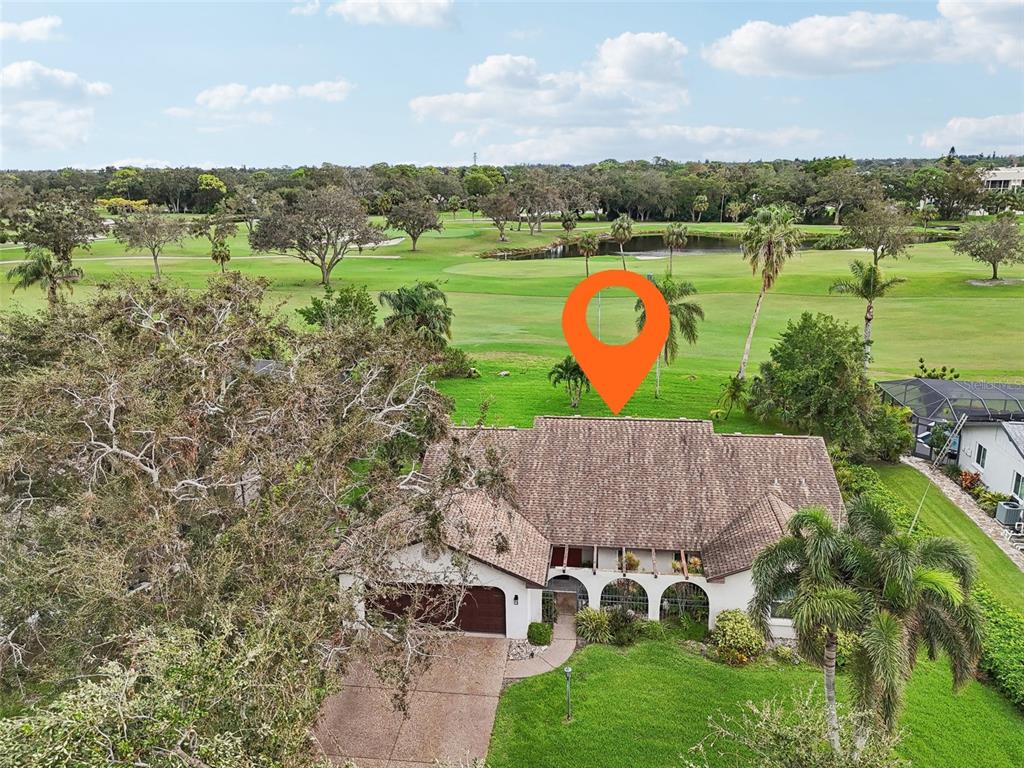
(936, 401)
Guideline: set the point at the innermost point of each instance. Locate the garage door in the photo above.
(482, 609)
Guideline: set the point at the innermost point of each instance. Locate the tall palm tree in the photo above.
(589, 245)
(569, 374)
(423, 307)
(622, 233)
(683, 316)
(770, 239)
(53, 276)
(804, 571)
(915, 591)
(675, 239)
(869, 284)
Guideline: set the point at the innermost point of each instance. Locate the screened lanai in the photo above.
(945, 400)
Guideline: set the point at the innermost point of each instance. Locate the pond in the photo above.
(642, 246)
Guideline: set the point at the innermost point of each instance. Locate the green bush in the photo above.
(785, 655)
(592, 626)
(650, 630)
(737, 639)
(539, 633)
(453, 363)
(840, 241)
(1002, 651)
(624, 625)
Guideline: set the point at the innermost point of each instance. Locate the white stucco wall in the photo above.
(522, 602)
(1002, 461)
(733, 592)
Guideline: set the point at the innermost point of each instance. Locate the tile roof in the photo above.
(1015, 431)
(662, 483)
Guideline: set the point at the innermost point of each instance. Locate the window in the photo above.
(979, 456)
(1018, 485)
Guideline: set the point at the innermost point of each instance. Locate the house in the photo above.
(995, 450)
(661, 516)
(1003, 179)
(947, 401)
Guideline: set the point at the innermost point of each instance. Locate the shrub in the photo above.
(785, 655)
(1002, 652)
(453, 363)
(539, 633)
(650, 630)
(630, 562)
(840, 241)
(623, 625)
(592, 626)
(969, 479)
(736, 637)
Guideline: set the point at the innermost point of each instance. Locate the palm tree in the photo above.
(771, 237)
(569, 374)
(804, 572)
(869, 284)
(589, 245)
(52, 275)
(622, 233)
(675, 238)
(683, 317)
(423, 307)
(915, 591)
(892, 591)
(734, 392)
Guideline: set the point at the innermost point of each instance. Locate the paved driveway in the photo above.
(451, 711)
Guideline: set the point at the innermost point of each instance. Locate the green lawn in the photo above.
(995, 570)
(646, 706)
(507, 313)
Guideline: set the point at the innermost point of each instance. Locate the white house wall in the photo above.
(732, 592)
(1002, 461)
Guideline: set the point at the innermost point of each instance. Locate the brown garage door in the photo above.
(482, 609)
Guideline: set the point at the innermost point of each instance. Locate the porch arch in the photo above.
(684, 598)
(625, 592)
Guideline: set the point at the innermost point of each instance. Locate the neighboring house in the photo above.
(1003, 179)
(996, 452)
(946, 401)
(662, 516)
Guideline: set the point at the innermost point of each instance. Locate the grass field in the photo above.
(995, 570)
(507, 313)
(647, 705)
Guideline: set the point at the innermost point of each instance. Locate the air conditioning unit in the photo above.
(1008, 512)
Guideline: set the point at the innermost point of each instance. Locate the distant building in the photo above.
(1003, 179)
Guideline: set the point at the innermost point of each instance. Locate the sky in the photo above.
(355, 82)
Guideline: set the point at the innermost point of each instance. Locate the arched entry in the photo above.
(564, 594)
(625, 593)
(684, 598)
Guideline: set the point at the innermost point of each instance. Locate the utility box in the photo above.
(1008, 512)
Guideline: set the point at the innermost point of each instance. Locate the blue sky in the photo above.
(362, 81)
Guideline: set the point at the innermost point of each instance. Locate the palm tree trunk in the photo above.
(831, 715)
(52, 298)
(750, 335)
(222, 263)
(657, 376)
(671, 250)
(599, 316)
(869, 315)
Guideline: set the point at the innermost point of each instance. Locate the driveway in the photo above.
(451, 711)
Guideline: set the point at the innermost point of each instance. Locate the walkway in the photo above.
(563, 644)
(969, 506)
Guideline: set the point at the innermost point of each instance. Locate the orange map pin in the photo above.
(615, 370)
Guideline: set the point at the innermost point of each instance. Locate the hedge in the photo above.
(1002, 648)
(539, 633)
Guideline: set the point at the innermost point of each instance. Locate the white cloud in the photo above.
(234, 104)
(33, 76)
(45, 124)
(31, 31)
(626, 102)
(305, 7)
(46, 108)
(991, 32)
(1003, 134)
(413, 13)
(327, 90)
